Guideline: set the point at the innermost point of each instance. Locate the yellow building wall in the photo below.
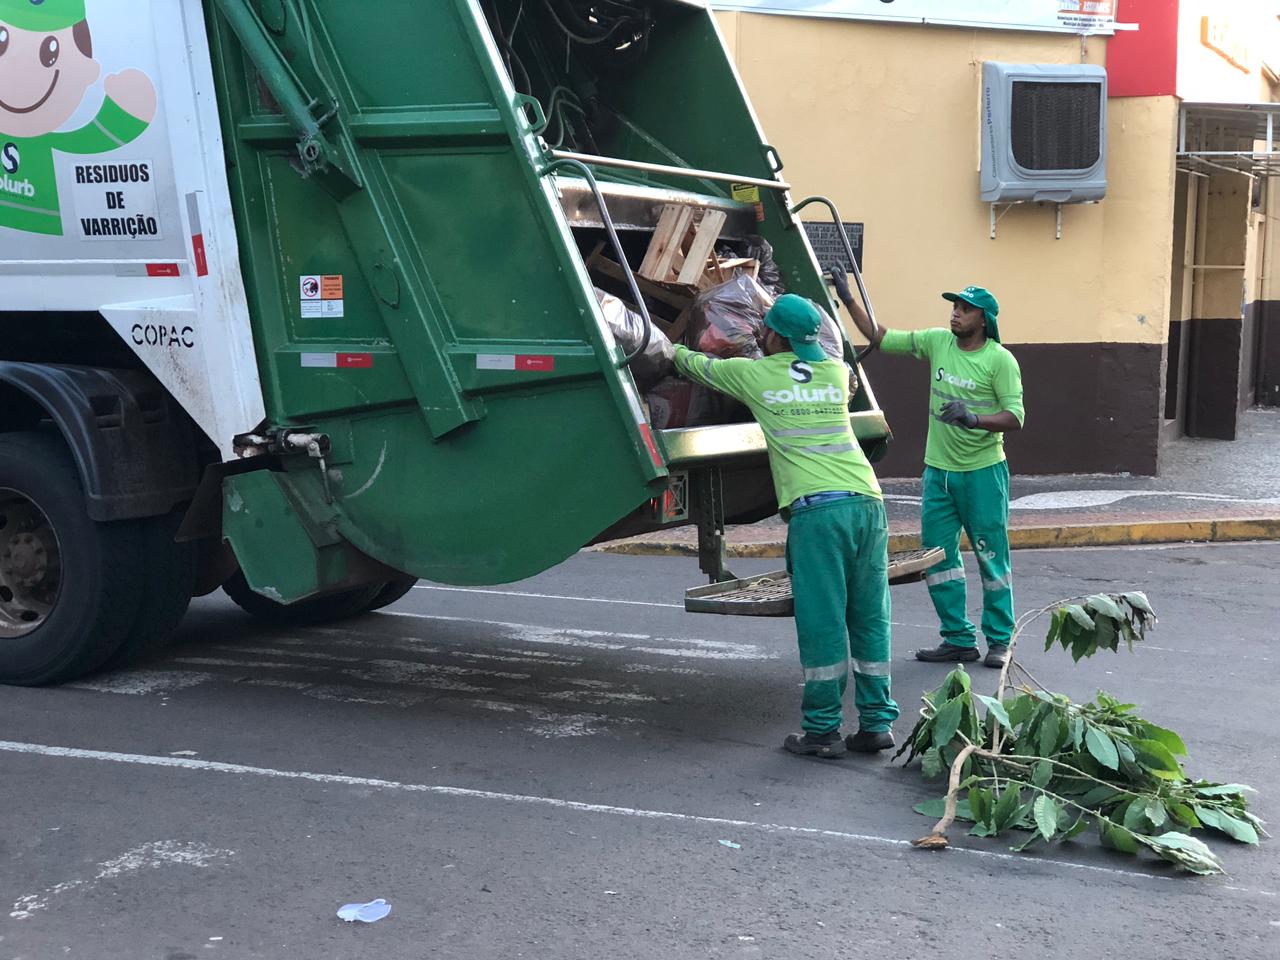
(884, 119)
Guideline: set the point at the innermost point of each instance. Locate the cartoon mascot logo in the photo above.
(46, 69)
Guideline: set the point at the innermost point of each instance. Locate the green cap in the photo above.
(981, 298)
(798, 320)
(41, 15)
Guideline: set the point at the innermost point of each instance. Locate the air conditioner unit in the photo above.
(1044, 132)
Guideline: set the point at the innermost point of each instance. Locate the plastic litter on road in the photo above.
(730, 844)
(364, 912)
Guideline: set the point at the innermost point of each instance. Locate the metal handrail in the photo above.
(617, 249)
(670, 171)
(853, 262)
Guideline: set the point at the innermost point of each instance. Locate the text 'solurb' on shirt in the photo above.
(803, 409)
(988, 380)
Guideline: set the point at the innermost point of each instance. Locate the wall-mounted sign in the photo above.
(1217, 34)
(1052, 16)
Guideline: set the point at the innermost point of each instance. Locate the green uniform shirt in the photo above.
(803, 409)
(29, 195)
(988, 380)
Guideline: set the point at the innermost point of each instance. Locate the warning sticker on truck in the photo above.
(321, 296)
(116, 201)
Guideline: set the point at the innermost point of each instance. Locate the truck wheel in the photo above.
(316, 610)
(169, 581)
(393, 591)
(69, 586)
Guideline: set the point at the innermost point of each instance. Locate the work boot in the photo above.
(828, 746)
(867, 741)
(947, 653)
(997, 654)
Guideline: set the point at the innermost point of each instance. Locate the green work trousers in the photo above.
(838, 557)
(977, 502)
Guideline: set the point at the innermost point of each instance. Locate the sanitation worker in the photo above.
(837, 535)
(976, 388)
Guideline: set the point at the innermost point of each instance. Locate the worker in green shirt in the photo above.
(976, 398)
(46, 69)
(837, 536)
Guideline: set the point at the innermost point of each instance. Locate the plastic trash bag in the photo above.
(728, 320)
(369, 912)
(628, 330)
(670, 403)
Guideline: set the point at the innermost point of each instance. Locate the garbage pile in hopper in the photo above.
(712, 297)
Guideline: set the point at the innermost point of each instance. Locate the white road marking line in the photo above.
(149, 856)
(211, 766)
(547, 596)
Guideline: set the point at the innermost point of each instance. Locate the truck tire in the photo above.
(169, 580)
(389, 594)
(70, 587)
(310, 612)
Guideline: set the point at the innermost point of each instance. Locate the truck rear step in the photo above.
(769, 594)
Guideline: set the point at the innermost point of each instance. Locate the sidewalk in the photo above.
(1208, 490)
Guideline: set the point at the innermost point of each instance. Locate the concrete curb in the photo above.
(1020, 538)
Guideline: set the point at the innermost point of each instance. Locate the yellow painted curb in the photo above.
(1020, 538)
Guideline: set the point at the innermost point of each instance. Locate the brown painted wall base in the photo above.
(1213, 377)
(1091, 408)
(1267, 359)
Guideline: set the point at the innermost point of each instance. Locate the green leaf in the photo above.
(1184, 851)
(1155, 756)
(1138, 601)
(1098, 796)
(1223, 789)
(1077, 613)
(938, 806)
(980, 829)
(1046, 813)
(1101, 603)
(1172, 742)
(1083, 646)
(980, 802)
(931, 764)
(1042, 773)
(944, 729)
(1077, 732)
(1018, 848)
(1135, 816)
(1225, 823)
(1077, 828)
(1020, 709)
(996, 709)
(1156, 813)
(1055, 629)
(1005, 813)
(1049, 733)
(1106, 635)
(1184, 815)
(1102, 748)
(1117, 838)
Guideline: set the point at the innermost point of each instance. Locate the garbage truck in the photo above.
(295, 303)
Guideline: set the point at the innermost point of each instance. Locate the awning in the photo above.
(1236, 137)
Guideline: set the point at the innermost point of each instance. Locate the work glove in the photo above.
(956, 412)
(839, 280)
(666, 349)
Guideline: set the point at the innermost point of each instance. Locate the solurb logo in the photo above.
(10, 158)
(828, 394)
(943, 377)
(801, 372)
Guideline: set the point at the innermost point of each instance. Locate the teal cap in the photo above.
(981, 298)
(798, 320)
(41, 15)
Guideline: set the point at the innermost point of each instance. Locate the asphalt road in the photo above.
(548, 769)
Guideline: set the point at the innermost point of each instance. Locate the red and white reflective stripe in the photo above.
(197, 236)
(531, 363)
(163, 270)
(338, 360)
(651, 445)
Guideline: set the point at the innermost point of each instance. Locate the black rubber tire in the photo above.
(393, 591)
(317, 610)
(102, 575)
(169, 581)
